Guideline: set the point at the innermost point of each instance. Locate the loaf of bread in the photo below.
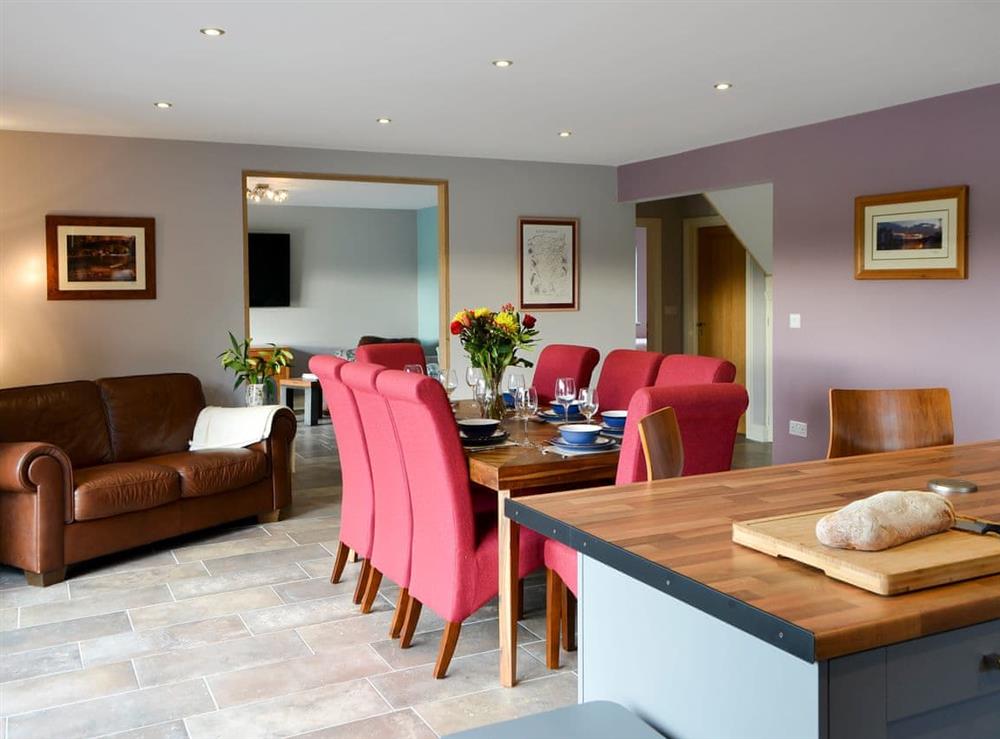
(886, 520)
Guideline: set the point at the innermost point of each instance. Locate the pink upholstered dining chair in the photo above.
(624, 372)
(392, 356)
(357, 506)
(455, 565)
(563, 360)
(707, 417)
(393, 529)
(694, 369)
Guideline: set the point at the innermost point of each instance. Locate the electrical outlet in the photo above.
(798, 428)
(794, 320)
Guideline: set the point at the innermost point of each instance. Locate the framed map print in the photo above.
(548, 263)
(917, 235)
(100, 258)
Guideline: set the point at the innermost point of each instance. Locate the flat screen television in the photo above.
(270, 274)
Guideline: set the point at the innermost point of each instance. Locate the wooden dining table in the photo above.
(514, 471)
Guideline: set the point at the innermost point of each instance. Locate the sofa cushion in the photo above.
(113, 489)
(151, 414)
(210, 471)
(69, 415)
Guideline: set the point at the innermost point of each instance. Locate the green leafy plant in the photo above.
(254, 370)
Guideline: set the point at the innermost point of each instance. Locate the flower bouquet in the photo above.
(492, 340)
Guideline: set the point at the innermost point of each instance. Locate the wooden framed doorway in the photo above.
(444, 312)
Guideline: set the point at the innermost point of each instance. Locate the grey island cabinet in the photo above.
(706, 639)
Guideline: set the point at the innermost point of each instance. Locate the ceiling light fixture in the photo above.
(565, 134)
(721, 86)
(262, 191)
(213, 32)
(502, 63)
(163, 105)
(384, 121)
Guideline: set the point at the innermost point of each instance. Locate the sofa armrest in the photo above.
(40, 476)
(278, 448)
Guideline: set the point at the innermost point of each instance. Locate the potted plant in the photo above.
(492, 340)
(256, 371)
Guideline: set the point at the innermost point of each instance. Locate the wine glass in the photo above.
(449, 380)
(434, 370)
(414, 368)
(589, 402)
(515, 382)
(566, 393)
(472, 376)
(526, 405)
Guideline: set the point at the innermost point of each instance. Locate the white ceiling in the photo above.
(632, 79)
(337, 194)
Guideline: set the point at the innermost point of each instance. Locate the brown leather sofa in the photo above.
(90, 468)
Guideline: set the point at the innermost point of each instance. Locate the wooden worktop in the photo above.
(675, 535)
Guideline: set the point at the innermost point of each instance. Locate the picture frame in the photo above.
(100, 258)
(548, 263)
(913, 235)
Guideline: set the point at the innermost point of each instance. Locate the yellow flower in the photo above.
(459, 316)
(506, 321)
(480, 312)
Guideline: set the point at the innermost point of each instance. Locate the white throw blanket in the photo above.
(228, 428)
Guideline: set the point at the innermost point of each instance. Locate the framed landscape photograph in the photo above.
(548, 263)
(100, 258)
(917, 235)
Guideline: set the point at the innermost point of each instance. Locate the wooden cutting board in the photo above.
(947, 557)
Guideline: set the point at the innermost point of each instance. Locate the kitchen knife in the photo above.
(976, 526)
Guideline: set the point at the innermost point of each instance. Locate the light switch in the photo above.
(794, 320)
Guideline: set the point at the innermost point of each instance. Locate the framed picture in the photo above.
(918, 235)
(548, 263)
(100, 258)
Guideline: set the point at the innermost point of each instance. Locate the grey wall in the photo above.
(672, 213)
(341, 258)
(194, 192)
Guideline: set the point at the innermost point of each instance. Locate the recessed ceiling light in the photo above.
(502, 63)
(210, 31)
(723, 85)
(384, 121)
(163, 105)
(565, 134)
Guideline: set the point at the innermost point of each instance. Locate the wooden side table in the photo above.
(313, 392)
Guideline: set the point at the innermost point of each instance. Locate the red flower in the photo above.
(456, 328)
(528, 321)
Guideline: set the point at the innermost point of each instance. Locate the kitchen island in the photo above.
(702, 637)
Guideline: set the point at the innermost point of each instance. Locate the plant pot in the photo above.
(254, 395)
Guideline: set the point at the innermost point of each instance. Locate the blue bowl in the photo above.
(574, 409)
(580, 433)
(478, 428)
(615, 419)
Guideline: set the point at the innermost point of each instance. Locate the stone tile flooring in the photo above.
(237, 632)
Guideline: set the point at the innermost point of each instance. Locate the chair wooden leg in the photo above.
(553, 617)
(410, 622)
(371, 590)
(359, 589)
(569, 620)
(399, 614)
(339, 562)
(520, 600)
(354, 556)
(448, 641)
(44, 579)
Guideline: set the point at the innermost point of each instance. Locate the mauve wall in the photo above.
(858, 333)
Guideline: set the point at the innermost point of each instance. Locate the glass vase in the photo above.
(254, 395)
(494, 407)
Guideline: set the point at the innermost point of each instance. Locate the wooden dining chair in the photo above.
(870, 421)
(661, 444)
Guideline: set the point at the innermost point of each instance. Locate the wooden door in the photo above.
(722, 299)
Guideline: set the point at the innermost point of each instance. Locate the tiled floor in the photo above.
(238, 633)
